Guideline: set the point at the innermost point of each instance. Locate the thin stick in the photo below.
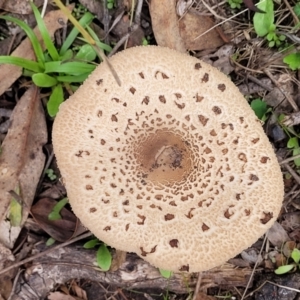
(197, 288)
(288, 97)
(255, 266)
(29, 259)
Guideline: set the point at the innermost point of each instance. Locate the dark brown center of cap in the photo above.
(163, 157)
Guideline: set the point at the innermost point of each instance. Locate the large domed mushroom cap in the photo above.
(173, 165)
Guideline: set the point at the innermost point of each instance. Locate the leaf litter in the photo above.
(246, 58)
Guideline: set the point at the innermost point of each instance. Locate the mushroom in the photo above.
(173, 165)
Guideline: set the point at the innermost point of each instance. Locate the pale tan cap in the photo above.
(173, 165)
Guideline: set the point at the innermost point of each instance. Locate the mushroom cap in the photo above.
(173, 165)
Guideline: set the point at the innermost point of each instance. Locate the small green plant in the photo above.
(56, 69)
(103, 256)
(264, 25)
(292, 60)
(55, 213)
(51, 175)
(235, 3)
(110, 4)
(165, 273)
(295, 256)
(293, 141)
(260, 108)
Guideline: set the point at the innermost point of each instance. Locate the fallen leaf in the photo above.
(119, 257)
(60, 296)
(165, 24)
(62, 229)
(277, 235)
(21, 7)
(10, 73)
(193, 25)
(21, 160)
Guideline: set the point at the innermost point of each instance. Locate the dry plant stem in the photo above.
(137, 17)
(29, 259)
(197, 288)
(289, 159)
(292, 172)
(14, 285)
(245, 68)
(255, 266)
(259, 82)
(278, 285)
(123, 40)
(213, 12)
(287, 4)
(288, 97)
(224, 21)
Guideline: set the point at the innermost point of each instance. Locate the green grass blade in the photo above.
(86, 19)
(74, 78)
(103, 46)
(43, 80)
(70, 68)
(22, 62)
(31, 35)
(55, 99)
(45, 34)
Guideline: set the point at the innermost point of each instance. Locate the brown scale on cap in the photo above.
(175, 158)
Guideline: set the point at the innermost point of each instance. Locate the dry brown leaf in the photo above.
(61, 230)
(60, 296)
(165, 24)
(19, 6)
(277, 235)
(118, 259)
(78, 291)
(22, 160)
(192, 25)
(10, 73)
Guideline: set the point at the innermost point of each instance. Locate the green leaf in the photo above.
(86, 19)
(263, 22)
(293, 60)
(297, 9)
(295, 255)
(259, 107)
(73, 78)
(31, 35)
(91, 244)
(293, 143)
(284, 269)
(50, 242)
(55, 99)
(21, 62)
(55, 213)
(296, 151)
(165, 273)
(103, 258)
(71, 68)
(43, 80)
(86, 52)
(15, 210)
(44, 32)
(101, 45)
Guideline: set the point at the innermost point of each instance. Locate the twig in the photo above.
(29, 259)
(276, 284)
(123, 40)
(197, 288)
(259, 82)
(288, 97)
(289, 159)
(296, 19)
(254, 268)
(292, 172)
